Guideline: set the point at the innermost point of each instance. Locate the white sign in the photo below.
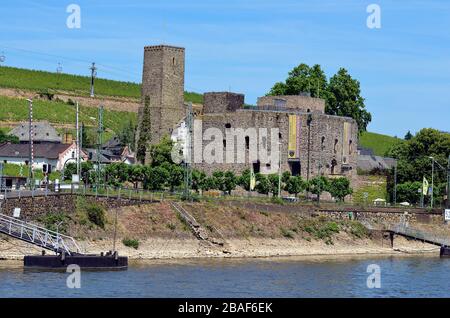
(447, 215)
(16, 212)
(75, 178)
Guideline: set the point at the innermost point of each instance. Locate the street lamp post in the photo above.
(432, 180)
(279, 169)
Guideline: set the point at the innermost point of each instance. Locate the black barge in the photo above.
(108, 261)
(445, 251)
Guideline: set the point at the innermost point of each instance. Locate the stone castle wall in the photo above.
(328, 151)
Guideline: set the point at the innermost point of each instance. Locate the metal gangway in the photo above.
(404, 230)
(39, 236)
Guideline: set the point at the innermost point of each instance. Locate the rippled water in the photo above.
(291, 277)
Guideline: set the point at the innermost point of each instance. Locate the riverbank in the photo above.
(154, 249)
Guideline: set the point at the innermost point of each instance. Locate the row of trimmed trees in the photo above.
(171, 176)
(163, 174)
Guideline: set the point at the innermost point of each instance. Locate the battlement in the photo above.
(222, 102)
(292, 102)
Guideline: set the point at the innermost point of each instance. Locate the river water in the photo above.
(412, 276)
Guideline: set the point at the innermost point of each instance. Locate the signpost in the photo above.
(447, 215)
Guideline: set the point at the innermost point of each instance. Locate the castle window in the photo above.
(173, 61)
(257, 167)
(308, 110)
(279, 136)
(350, 147)
(323, 143)
(247, 142)
(227, 125)
(224, 143)
(333, 165)
(335, 145)
(295, 168)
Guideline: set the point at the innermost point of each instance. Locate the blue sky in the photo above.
(247, 45)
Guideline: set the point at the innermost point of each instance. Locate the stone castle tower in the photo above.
(163, 92)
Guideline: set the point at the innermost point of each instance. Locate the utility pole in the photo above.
(99, 142)
(432, 180)
(31, 148)
(188, 154)
(448, 183)
(78, 140)
(93, 75)
(308, 122)
(279, 168)
(395, 183)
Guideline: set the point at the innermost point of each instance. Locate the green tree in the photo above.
(117, 173)
(318, 185)
(198, 178)
(230, 181)
(408, 135)
(345, 99)
(176, 175)
(8, 138)
(294, 185)
(137, 173)
(225, 181)
(155, 178)
(408, 192)
(274, 180)
(339, 188)
(414, 163)
(209, 183)
(89, 137)
(303, 78)
(244, 179)
(262, 184)
(145, 132)
(127, 134)
(342, 93)
(161, 153)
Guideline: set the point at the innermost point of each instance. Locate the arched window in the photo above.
(322, 143)
(247, 142)
(227, 125)
(335, 145)
(350, 147)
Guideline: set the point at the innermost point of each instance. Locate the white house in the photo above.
(48, 156)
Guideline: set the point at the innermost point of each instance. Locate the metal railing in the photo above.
(37, 235)
(405, 230)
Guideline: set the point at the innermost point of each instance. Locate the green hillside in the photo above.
(15, 109)
(377, 142)
(11, 77)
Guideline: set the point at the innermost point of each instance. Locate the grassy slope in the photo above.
(12, 77)
(377, 142)
(15, 109)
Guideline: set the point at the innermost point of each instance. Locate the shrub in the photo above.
(96, 215)
(51, 221)
(171, 226)
(277, 200)
(286, 233)
(131, 243)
